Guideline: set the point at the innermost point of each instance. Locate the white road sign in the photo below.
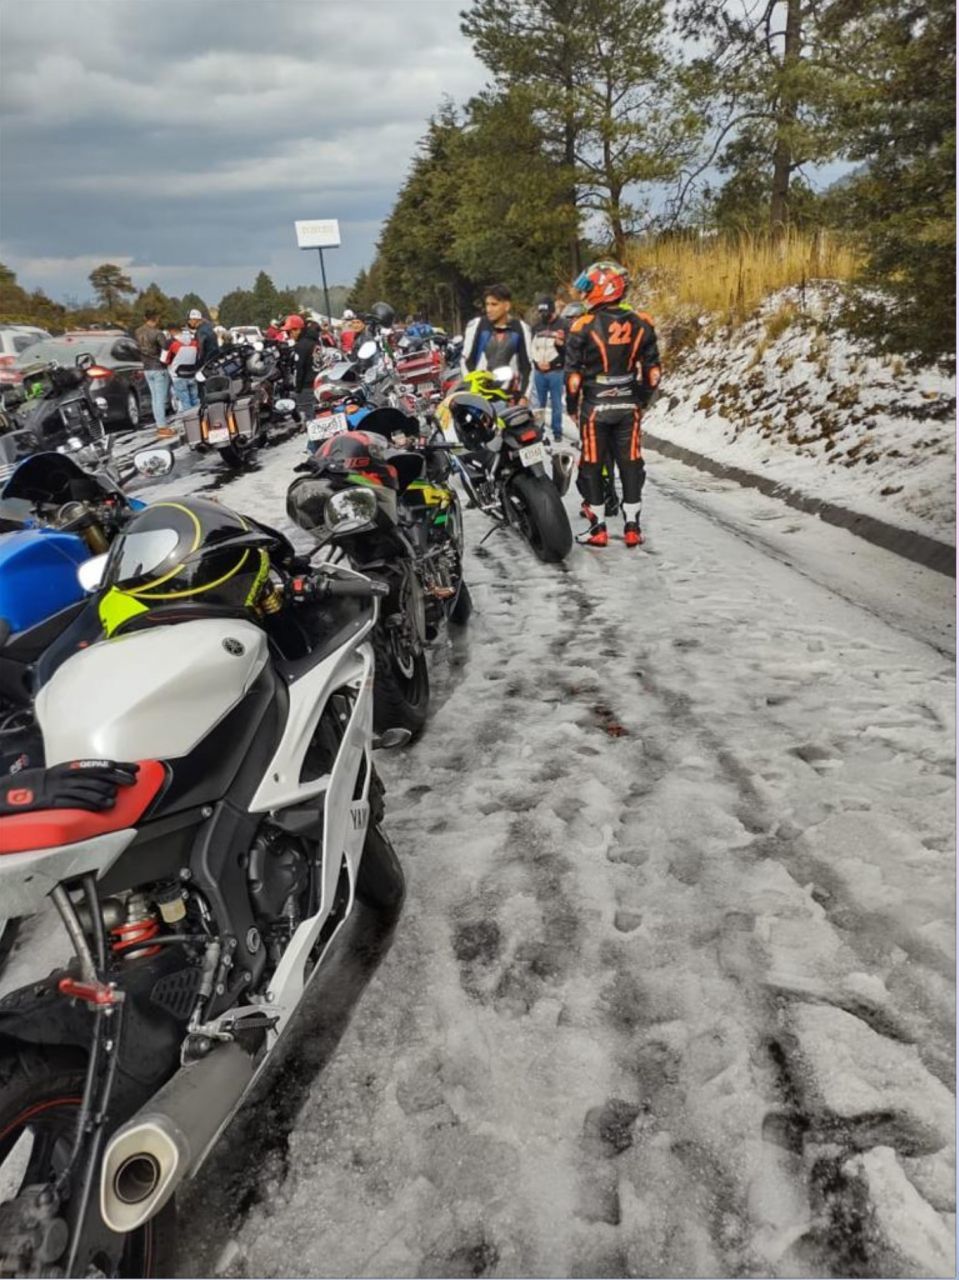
(318, 233)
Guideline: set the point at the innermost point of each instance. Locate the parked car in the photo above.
(116, 375)
(14, 340)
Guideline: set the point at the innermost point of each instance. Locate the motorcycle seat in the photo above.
(409, 467)
(49, 828)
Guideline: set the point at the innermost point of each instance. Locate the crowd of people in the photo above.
(593, 356)
(596, 357)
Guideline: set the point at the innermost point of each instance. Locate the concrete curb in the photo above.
(903, 542)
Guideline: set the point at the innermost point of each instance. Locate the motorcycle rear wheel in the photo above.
(401, 698)
(40, 1094)
(542, 517)
(462, 609)
(234, 456)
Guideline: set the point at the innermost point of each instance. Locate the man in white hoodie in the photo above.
(180, 357)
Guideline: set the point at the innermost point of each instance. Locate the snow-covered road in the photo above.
(673, 993)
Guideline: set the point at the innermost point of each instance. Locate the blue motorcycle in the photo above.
(54, 516)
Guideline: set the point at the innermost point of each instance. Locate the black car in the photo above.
(117, 372)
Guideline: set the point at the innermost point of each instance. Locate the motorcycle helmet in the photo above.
(186, 550)
(602, 282)
(383, 314)
(473, 418)
(360, 456)
(482, 383)
(327, 394)
(292, 323)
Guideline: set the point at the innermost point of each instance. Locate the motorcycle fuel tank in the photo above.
(153, 694)
(38, 574)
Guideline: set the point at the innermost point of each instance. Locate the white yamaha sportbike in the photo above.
(198, 909)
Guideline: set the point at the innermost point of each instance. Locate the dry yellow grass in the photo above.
(728, 277)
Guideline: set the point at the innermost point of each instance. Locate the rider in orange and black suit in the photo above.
(612, 372)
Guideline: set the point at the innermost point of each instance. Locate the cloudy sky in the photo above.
(182, 140)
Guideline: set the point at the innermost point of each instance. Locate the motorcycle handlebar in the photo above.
(364, 589)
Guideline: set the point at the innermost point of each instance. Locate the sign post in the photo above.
(319, 234)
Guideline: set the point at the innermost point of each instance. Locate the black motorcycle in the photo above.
(504, 472)
(56, 408)
(349, 499)
(429, 510)
(236, 399)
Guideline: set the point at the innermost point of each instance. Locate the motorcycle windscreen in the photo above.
(149, 694)
(55, 478)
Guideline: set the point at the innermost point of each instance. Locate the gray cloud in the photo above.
(183, 139)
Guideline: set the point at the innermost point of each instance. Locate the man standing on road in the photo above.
(150, 340)
(180, 357)
(206, 343)
(549, 339)
(497, 339)
(612, 373)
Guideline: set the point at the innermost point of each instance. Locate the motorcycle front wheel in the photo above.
(40, 1097)
(380, 882)
(541, 517)
(401, 684)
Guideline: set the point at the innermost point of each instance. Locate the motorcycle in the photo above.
(198, 909)
(55, 406)
(54, 518)
(504, 469)
(429, 510)
(348, 500)
(235, 403)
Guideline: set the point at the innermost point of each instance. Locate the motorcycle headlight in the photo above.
(284, 406)
(350, 509)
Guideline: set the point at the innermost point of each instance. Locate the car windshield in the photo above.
(65, 350)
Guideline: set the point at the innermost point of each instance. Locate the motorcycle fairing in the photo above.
(113, 699)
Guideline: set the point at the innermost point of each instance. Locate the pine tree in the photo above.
(110, 284)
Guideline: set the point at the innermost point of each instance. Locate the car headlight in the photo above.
(350, 509)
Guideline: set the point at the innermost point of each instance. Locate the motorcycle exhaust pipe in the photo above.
(148, 1157)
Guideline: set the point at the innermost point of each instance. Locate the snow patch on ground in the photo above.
(811, 409)
(674, 970)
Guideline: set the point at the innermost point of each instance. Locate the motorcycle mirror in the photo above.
(90, 573)
(367, 351)
(154, 462)
(84, 360)
(502, 376)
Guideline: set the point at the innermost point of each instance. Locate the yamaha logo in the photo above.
(233, 647)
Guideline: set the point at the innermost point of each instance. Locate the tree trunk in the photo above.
(569, 153)
(785, 120)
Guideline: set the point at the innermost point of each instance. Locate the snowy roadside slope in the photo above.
(673, 990)
(811, 410)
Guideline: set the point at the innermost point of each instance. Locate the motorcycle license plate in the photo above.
(532, 454)
(329, 425)
(218, 435)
